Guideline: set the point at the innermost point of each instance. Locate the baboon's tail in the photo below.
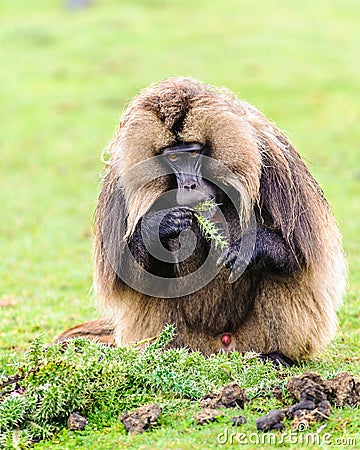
(98, 329)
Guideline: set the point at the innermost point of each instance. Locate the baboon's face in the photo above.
(185, 161)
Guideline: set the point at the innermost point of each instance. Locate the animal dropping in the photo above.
(230, 396)
(141, 419)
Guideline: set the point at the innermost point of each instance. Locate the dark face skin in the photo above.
(185, 160)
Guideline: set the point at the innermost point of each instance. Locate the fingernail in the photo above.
(232, 277)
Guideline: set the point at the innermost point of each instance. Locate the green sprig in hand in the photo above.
(207, 227)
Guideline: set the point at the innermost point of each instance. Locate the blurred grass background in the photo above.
(65, 77)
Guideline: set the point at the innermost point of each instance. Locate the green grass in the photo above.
(64, 80)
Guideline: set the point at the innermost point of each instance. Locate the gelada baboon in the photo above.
(283, 303)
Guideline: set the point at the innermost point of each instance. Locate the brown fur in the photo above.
(295, 315)
(97, 330)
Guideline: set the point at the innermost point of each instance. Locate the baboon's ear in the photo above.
(109, 230)
(289, 196)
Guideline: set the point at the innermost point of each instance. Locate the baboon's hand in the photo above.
(239, 256)
(174, 222)
(169, 224)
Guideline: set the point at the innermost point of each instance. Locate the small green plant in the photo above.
(207, 227)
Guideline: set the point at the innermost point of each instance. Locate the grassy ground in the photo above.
(64, 79)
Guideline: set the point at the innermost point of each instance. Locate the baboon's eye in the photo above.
(173, 157)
